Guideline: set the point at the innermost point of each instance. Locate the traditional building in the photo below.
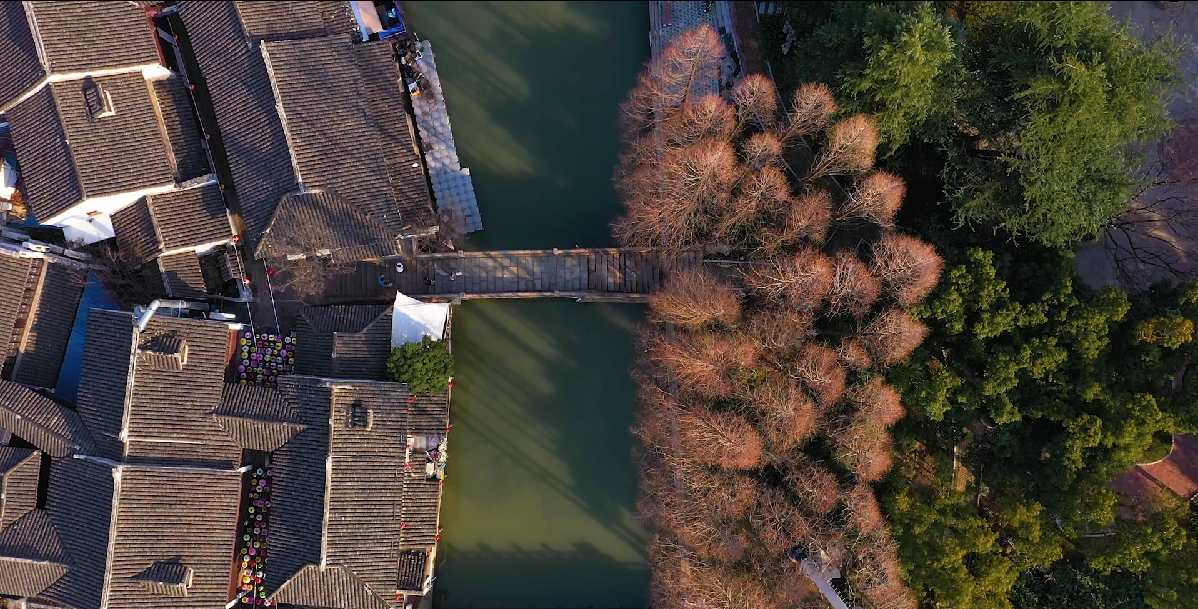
(97, 120)
(39, 297)
(312, 124)
(149, 495)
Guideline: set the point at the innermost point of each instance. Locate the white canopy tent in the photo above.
(412, 320)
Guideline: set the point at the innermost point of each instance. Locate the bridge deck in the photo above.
(624, 274)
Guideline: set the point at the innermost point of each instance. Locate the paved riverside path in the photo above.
(590, 274)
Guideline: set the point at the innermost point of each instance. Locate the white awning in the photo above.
(412, 320)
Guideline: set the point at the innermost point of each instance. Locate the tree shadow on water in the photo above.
(562, 575)
(533, 90)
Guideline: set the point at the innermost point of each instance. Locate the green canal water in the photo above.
(540, 492)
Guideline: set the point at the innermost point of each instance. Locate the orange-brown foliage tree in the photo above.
(802, 280)
(909, 267)
(878, 401)
(854, 289)
(692, 298)
(893, 335)
(751, 367)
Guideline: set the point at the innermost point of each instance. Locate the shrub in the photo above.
(425, 366)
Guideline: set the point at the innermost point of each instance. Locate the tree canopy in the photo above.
(426, 366)
(1041, 107)
(1044, 390)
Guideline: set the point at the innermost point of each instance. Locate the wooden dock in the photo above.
(589, 275)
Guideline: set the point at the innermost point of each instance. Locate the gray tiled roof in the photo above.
(191, 217)
(21, 69)
(178, 515)
(362, 429)
(182, 276)
(170, 411)
(103, 377)
(339, 103)
(75, 37)
(66, 154)
(15, 290)
(118, 153)
(172, 220)
(413, 564)
(306, 223)
(333, 137)
(383, 88)
(31, 555)
(330, 586)
(135, 233)
(344, 341)
(366, 482)
(257, 418)
(39, 420)
(298, 491)
(51, 325)
(86, 36)
(289, 20)
(183, 132)
(250, 132)
(51, 183)
(80, 503)
(20, 469)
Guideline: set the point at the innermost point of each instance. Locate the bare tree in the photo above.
(764, 196)
(876, 199)
(779, 332)
(708, 117)
(719, 438)
(854, 289)
(893, 335)
(674, 204)
(305, 278)
(691, 60)
(788, 416)
(908, 267)
(815, 485)
(876, 572)
(853, 353)
(1155, 238)
(123, 275)
(762, 150)
(756, 101)
(862, 509)
(802, 280)
(878, 401)
(851, 146)
(810, 110)
(777, 524)
(817, 367)
(692, 298)
(702, 363)
(864, 447)
(807, 221)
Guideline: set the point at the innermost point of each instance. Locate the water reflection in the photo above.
(538, 504)
(533, 90)
(539, 500)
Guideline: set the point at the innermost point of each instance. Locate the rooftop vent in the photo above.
(98, 99)
(163, 352)
(358, 416)
(167, 578)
